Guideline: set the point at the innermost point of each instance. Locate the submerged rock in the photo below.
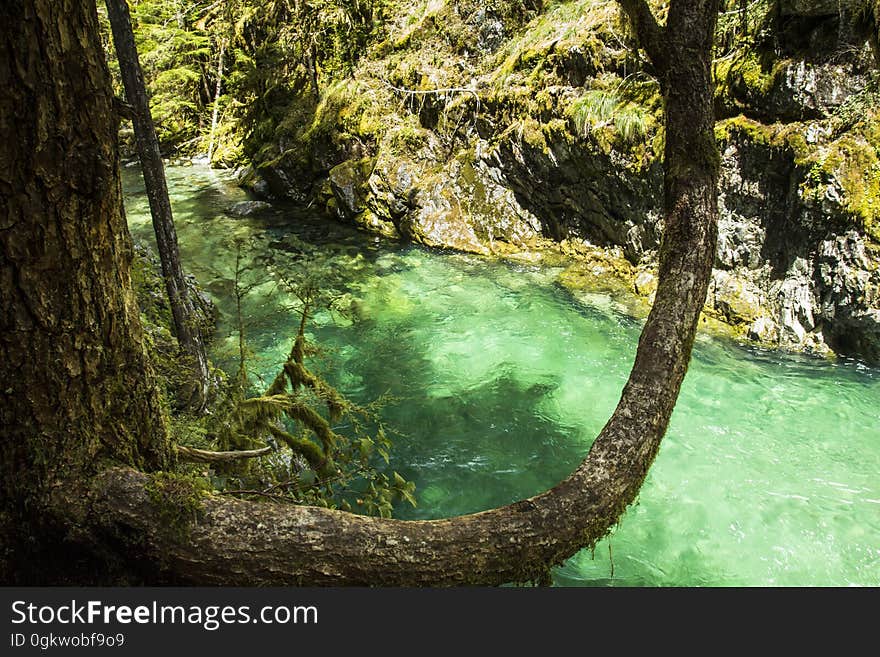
(249, 208)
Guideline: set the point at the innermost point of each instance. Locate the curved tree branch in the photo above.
(649, 33)
(235, 542)
(194, 455)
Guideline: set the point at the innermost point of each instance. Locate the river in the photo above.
(500, 379)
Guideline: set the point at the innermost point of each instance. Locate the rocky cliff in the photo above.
(522, 129)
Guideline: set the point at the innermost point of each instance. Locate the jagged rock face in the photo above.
(803, 90)
(848, 295)
(794, 265)
(578, 191)
(796, 89)
(789, 266)
(459, 203)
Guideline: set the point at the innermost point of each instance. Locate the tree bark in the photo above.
(77, 387)
(183, 312)
(222, 541)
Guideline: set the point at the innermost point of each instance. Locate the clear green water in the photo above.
(770, 471)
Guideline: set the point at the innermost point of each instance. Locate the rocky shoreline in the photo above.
(534, 166)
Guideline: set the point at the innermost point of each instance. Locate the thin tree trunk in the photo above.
(216, 113)
(183, 312)
(312, 65)
(72, 204)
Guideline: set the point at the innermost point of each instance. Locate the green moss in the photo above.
(855, 164)
(407, 136)
(775, 136)
(740, 126)
(595, 270)
(178, 499)
(748, 76)
(757, 77)
(533, 135)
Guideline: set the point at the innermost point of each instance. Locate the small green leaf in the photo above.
(408, 496)
(366, 446)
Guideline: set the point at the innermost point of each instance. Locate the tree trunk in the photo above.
(77, 388)
(312, 65)
(182, 536)
(216, 113)
(184, 315)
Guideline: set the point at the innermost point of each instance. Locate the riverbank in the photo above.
(497, 381)
(537, 129)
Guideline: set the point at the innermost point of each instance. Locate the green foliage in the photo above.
(604, 113)
(298, 413)
(329, 451)
(288, 53)
(743, 24)
(175, 55)
(275, 52)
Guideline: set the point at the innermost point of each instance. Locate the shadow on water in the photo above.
(501, 380)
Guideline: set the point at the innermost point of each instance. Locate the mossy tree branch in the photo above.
(651, 36)
(193, 455)
(312, 453)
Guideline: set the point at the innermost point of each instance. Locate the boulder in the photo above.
(249, 208)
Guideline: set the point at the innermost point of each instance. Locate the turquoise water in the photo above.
(770, 471)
